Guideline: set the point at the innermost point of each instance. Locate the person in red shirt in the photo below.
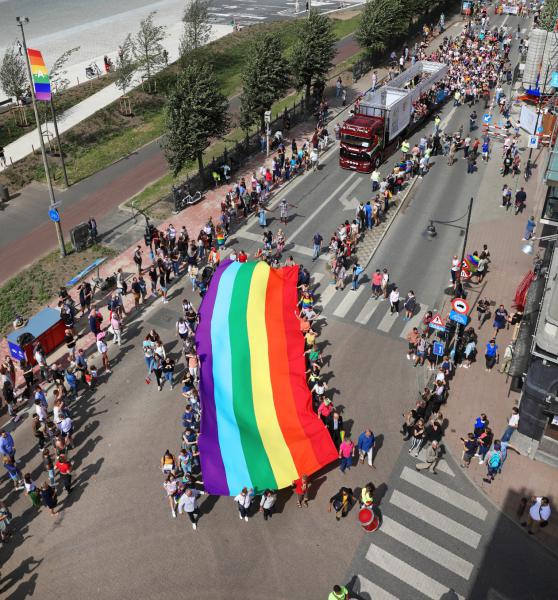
(64, 467)
(377, 284)
(301, 486)
(242, 257)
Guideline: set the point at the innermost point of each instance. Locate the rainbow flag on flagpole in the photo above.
(258, 428)
(39, 73)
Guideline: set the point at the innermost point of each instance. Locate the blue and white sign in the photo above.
(554, 79)
(459, 318)
(540, 129)
(533, 142)
(438, 348)
(53, 215)
(486, 118)
(16, 351)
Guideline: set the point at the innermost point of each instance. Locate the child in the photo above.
(91, 376)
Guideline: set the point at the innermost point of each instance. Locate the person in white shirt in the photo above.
(103, 350)
(244, 500)
(267, 504)
(188, 503)
(538, 513)
(513, 424)
(394, 301)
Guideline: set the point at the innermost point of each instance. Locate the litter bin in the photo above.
(4, 193)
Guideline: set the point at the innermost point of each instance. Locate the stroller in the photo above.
(204, 278)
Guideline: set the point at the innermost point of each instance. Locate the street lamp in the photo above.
(529, 247)
(53, 205)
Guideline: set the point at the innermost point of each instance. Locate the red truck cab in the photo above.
(361, 143)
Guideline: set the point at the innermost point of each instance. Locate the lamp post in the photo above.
(57, 224)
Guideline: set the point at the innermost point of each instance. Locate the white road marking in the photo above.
(435, 519)
(427, 548)
(320, 207)
(327, 295)
(366, 313)
(388, 320)
(348, 301)
(413, 322)
(441, 491)
(406, 573)
(442, 465)
(375, 591)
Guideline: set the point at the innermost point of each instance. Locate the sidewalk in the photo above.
(475, 391)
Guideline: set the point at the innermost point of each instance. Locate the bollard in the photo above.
(368, 519)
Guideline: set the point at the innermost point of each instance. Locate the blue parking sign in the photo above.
(438, 348)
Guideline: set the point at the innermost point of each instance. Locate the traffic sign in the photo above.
(460, 306)
(540, 129)
(53, 215)
(438, 348)
(437, 323)
(459, 317)
(486, 118)
(465, 274)
(533, 142)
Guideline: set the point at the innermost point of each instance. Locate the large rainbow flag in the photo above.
(258, 428)
(39, 73)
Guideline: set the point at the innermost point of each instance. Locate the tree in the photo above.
(13, 73)
(263, 79)
(147, 48)
(312, 52)
(57, 75)
(196, 112)
(381, 22)
(125, 69)
(197, 27)
(549, 15)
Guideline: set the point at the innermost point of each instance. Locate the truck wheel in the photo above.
(377, 161)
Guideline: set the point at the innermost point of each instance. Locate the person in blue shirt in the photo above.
(365, 447)
(7, 445)
(491, 355)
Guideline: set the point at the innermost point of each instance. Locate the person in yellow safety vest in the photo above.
(367, 494)
(340, 592)
(437, 122)
(405, 147)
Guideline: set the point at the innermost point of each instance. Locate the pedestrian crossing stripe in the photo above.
(427, 548)
(345, 305)
(375, 591)
(443, 492)
(435, 519)
(366, 313)
(407, 573)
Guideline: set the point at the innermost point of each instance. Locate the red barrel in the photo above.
(368, 520)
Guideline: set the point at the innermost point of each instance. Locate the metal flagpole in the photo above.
(57, 224)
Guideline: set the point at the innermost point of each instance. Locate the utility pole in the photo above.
(464, 249)
(63, 162)
(57, 224)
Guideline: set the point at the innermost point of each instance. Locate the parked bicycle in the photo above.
(183, 197)
(92, 70)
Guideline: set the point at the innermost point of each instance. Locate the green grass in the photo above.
(35, 286)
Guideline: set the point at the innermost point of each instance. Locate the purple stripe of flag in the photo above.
(213, 469)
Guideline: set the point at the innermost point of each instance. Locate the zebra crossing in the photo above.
(358, 307)
(431, 539)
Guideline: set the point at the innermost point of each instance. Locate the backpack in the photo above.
(495, 460)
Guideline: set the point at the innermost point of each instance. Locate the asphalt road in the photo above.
(115, 537)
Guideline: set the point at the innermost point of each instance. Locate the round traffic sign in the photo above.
(460, 306)
(53, 215)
